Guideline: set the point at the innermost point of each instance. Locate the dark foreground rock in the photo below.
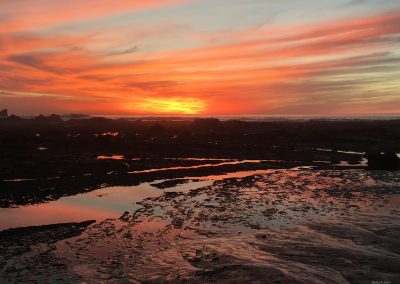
(46, 158)
(3, 113)
(388, 161)
(33, 247)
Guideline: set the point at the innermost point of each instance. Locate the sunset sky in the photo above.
(217, 57)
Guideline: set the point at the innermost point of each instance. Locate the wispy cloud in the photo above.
(349, 64)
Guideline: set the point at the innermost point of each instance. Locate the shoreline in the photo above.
(199, 201)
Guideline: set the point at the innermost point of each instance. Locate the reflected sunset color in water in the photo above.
(290, 188)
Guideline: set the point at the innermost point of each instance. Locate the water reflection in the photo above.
(199, 159)
(110, 134)
(112, 157)
(195, 167)
(104, 203)
(340, 151)
(100, 204)
(111, 202)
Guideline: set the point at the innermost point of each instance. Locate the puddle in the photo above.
(104, 203)
(195, 167)
(340, 151)
(110, 134)
(111, 202)
(205, 221)
(29, 179)
(19, 179)
(199, 159)
(100, 204)
(112, 157)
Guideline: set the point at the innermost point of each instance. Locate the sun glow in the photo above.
(169, 106)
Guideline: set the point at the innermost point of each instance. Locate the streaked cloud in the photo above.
(112, 54)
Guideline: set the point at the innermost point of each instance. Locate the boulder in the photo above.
(383, 161)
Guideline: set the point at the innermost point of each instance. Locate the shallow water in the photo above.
(112, 157)
(100, 204)
(341, 151)
(281, 224)
(234, 162)
(111, 202)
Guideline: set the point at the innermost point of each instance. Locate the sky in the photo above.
(200, 57)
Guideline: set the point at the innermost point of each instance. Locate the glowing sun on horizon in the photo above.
(169, 106)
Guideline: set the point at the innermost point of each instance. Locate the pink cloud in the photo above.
(255, 72)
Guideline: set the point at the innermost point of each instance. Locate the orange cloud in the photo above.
(303, 68)
(33, 14)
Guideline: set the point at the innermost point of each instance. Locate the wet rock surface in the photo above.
(285, 226)
(383, 161)
(46, 158)
(26, 253)
(305, 206)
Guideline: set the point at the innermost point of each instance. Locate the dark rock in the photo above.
(261, 236)
(50, 118)
(206, 124)
(40, 117)
(3, 113)
(76, 116)
(383, 161)
(157, 130)
(55, 118)
(14, 117)
(172, 194)
(125, 216)
(177, 223)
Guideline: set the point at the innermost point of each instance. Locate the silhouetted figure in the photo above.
(383, 161)
(3, 113)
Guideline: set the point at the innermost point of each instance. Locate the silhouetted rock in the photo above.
(55, 118)
(50, 118)
(41, 117)
(76, 116)
(185, 136)
(157, 129)
(14, 117)
(383, 161)
(74, 144)
(206, 123)
(3, 113)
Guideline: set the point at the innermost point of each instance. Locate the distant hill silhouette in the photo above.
(50, 118)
